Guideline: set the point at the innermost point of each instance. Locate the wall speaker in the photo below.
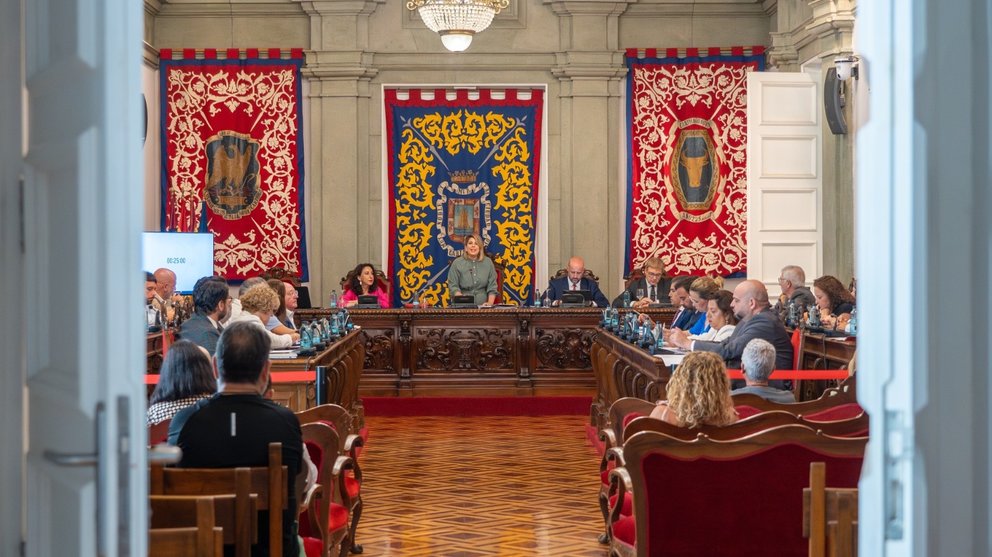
(833, 102)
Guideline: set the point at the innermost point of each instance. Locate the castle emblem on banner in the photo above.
(232, 188)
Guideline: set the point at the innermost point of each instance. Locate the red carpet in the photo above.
(477, 406)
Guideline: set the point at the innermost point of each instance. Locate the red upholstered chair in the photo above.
(326, 518)
(845, 411)
(842, 394)
(349, 444)
(159, 433)
(708, 497)
(622, 411)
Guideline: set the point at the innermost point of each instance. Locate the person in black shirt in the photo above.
(235, 426)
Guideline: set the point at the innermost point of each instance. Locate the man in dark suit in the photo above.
(575, 279)
(212, 300)
(653, 287)
(757, 320)
(687, 315)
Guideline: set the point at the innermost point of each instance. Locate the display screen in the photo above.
(189, 255)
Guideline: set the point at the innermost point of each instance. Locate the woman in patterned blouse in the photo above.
(185, 378)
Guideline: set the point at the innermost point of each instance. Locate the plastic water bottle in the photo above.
(626, 298)
(306, 341)
(334, 298)
(537, 298)
(852, 325)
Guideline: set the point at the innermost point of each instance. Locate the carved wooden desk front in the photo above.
(498, 352)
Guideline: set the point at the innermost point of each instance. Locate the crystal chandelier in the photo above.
(457, 20)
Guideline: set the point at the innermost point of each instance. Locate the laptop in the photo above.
(368, 301)
(463, 301)
(576, 298)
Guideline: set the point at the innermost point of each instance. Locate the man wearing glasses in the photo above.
(792, 281)
(651, 289)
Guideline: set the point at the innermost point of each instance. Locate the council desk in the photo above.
(466, 352)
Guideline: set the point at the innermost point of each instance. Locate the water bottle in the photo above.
(626, 298)
(615, 321)
(537, 298)
(306, 341)
(334, 298)
(659, 344)
(335, 326)
(852, 325)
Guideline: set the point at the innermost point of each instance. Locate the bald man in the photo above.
(757, 320)
(575, 279)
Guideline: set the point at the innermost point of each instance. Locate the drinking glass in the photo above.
(640, 293)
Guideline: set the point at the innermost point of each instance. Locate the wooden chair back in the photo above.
(842, 394)
(748, 489)
(197, 537)
(323, 444)
(830, 516)
(174, 511)
(564, 272)
(853, 427)
(280, 273)
(267, 482)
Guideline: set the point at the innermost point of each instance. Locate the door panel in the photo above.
(785, 223)
(81, 274)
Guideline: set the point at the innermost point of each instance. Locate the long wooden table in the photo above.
(466, 352)
(294, 380)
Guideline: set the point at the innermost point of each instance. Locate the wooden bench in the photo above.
(708, 497)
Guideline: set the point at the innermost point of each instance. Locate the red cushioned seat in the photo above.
(352, 485)
(745, 411)
(313, 547)
(628, 506)
(624, 531)
(338, 518)
(839, 412)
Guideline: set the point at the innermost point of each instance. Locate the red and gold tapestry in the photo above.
(232, 154)
(687, 163)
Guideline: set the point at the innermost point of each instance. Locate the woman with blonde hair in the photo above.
(473, 273)
(258, 305)
(698, 393)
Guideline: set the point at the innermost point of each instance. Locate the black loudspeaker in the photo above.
(833, 102)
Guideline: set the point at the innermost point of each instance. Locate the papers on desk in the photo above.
(283, 354)
(673, 359)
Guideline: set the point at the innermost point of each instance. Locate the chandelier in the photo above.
(457, 20)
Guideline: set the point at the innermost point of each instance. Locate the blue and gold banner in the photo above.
(456, 167)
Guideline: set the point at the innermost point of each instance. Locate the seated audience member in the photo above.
(363, 283)
(833, 301)
(698, 394)
(792, 280)
(292, 301)
(277, 323)
(236, 304)
(186, 377)
(575, 280)
(755, 320)
(700, 292)
(166, 298)
(212, 301)
(687, 315)
(720, 316)
(649, 289)
(757, 363)
(258, 305)
(150, 284)
(473, 274)
(235, 426)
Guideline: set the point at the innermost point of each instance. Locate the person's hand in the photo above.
(680, 338)
(642, 303)
(295, 337)
(352, 303)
